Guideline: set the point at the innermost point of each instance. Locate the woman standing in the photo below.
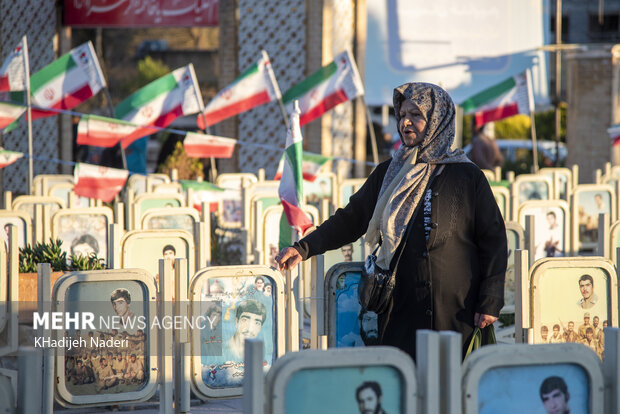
(451, 272)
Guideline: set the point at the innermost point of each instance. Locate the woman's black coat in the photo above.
(442, 283)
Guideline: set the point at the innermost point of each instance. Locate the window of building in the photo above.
(604, 30)
(565, 25)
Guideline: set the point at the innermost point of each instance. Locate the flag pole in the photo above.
(276, 87)
(107, 91)
(201, 106)
(29, 117)
(373, 138)
(111, 108)
(530, 100)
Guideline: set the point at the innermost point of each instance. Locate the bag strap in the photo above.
(413, 217)
(475, 342)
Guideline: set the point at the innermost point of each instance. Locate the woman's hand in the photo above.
(482, 320)
(288, 258)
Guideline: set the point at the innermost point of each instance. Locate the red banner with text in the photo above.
(140, 13)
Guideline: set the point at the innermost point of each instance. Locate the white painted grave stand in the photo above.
(181, 340)
(165, 340)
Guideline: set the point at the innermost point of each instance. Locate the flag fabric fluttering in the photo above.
(14, 72)
(291, 184)
(98, 182)
(67, 82)
(614, 134)
(8, 157)
(9, 113)
(160, 102)
(311, 165)
(100, 131)
(203, 192)
(256, 86)
(505, 99)
(205, 146)
(331, 85)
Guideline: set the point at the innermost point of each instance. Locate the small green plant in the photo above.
(92, 262)
(52, 253)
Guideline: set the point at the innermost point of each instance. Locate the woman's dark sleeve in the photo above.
(492, 249)
(347, 224)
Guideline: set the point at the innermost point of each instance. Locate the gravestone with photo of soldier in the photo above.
(238, 302)
(116, 362)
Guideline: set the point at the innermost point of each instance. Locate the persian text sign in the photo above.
(137, 13)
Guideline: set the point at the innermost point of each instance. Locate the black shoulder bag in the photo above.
(377, 284)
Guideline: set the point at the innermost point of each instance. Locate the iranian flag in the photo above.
(508, 98)
(67, 82)
(331, 85)
(256, 86)
(160, 102)
(14, 71)
(291, 184)
(100, 131)
(205, 146)
(203, 192)
(95, 181)
(8, 157)
(614, 134)
(9, 113)
(310, 167)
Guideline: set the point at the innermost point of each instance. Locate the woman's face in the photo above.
(412, 125)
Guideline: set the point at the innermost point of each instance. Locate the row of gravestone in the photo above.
(227, 305)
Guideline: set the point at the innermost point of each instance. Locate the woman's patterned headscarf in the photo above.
(412, 167)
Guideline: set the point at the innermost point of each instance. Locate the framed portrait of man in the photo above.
(83, 231)
(237, 303)
(572, 301)
(590, 200)
(268, 232)
(162, 244)
(323, 187)
(347, 324)
(521, 379)
(114, 359)
(528, 187)
(231, 209)
(551, 227)
(367, 380)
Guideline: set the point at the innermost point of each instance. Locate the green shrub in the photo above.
(52, 253)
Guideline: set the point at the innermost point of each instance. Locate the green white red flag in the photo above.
(256, 86)
(311, 165)
(9, 113)
(14, 71)
(508, 98)
(203, 192)
(95, 181)
(9, 157)
(291, 183)
(100, 131)
(331, 85)
(614, 134)
(67, 82)
(205, 146)
(160, 102)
